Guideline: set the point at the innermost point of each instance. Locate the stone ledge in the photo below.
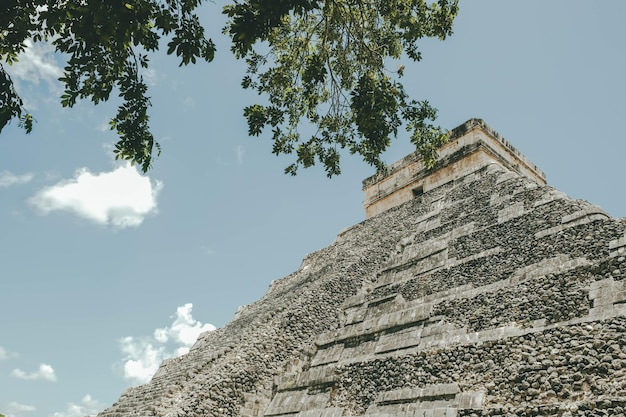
(439, 400)
(506, 176)
(316, 376)
(323, 412)
(608, 296)
(328, 355)
(577, 218)
(617, 247)
(593, 211)
(438, 391)
(511, 212)
(418, 311)
(434, 250)
(549, 197)
(291, 402)
(463, 338)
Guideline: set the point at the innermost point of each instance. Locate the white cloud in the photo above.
(14, 409)
(122, 197)
(8, 179)
(37, 63)
(45, 373)
(5, 354)
(87, 407)
(240, 151)
(143, 355)
(185, 329)
(142, 359)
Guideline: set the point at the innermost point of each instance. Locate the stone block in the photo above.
(464, 230)
(444, 412)
(496, 199)
(604, 294)
(511, 212)
(603, 311)
(441, 390)
(617, 247)
(286, 381)
(246, 412)
(470, 400)
(427, 393)
(506, 176)
(320, 375)
(312, 413)
(326, 338)
(286, 403)
(546, 266)
(362, 350)
(550, 231)
(328, 355)
(322, 412)
(399, 340)
(354, 301)
(355, 315)
(550, 196)
(333, 412)
(437, 329)
(592, 212)
(414, 315)
(384, 321)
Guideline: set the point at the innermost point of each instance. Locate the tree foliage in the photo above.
(326, 63)
(107, 45)
(316, 62)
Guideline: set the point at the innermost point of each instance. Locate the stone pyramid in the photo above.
(472, 289)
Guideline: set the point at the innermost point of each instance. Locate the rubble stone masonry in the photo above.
(488, 294)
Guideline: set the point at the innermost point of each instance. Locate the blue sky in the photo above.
(97, 290)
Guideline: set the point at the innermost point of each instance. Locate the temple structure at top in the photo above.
(472, 145)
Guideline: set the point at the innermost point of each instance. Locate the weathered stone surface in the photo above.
(472, 146)
(489, 295)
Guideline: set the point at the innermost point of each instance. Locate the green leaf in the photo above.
(324, 63)
(104, 44)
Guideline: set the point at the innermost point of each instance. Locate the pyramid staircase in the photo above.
(487, 293)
